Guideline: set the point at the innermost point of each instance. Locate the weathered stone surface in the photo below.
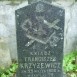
(7, 17)
(7, 26)
(40, 37)
(5, 59)
(70, 43)
(33, 1)
(74, 27)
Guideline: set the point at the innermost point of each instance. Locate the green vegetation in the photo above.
(8, 72)
(69, 64)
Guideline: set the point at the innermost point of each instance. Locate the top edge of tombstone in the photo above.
(41, 2)
(34, 1)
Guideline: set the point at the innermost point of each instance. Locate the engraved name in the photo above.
(40, 65)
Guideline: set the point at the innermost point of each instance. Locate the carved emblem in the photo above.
(41, 29)
(37, 31)
(40, 8)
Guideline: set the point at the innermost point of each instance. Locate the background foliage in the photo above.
(9, 71)
(70, 64)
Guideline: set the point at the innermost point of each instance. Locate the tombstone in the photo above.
(40, 38)
(33, 1)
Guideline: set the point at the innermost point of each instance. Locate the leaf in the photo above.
(69, 62)
(3, 75)
(8, 72)
(7, 76)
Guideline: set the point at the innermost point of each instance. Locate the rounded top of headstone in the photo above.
(33, 1)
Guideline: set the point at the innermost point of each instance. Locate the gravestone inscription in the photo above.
(40, 36)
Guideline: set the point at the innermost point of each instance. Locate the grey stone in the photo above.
(8, 30)
(5, 59)
(33, 1)
(40, 37)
